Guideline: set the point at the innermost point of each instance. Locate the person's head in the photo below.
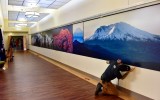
(119, 61)
(124, 67)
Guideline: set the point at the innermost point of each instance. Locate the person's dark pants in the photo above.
(98, 88)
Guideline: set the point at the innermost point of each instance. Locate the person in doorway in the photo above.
(113, 71)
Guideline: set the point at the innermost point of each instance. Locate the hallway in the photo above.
(32, 78)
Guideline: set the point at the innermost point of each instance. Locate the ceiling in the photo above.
(16, 10)
(53, 4)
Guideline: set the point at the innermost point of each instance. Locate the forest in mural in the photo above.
(110, 38)
(57, 39)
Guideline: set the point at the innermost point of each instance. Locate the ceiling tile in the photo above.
(21, 16)
(30, 19)
(16, 0)
(58, 3)
(36, 19)
(46, 1)
(17, 3)
(16, 16)
(63, 0)
(43, 5)
(12, 12)
(29, 3)
(54, 6)
(12, 15)
(42, 15)
(21, 13)
(35, 1)
(12, 18)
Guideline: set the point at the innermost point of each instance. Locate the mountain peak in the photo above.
(122, 31)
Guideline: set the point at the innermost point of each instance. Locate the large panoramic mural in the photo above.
(123, 41)
(132, 36)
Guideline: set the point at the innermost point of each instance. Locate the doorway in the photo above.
(18, 42)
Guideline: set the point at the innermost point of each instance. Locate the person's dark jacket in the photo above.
(111, 72)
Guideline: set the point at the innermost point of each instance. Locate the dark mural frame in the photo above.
(141, 52)
(1, 39)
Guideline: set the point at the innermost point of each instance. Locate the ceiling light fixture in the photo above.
(30, 14)
(22, 19)
(21, 25)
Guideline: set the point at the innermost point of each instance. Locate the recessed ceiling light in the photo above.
(22, 19)
(30, 14)
(21, 25)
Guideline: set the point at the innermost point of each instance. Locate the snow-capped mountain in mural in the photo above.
(122, 31)
(121, 40)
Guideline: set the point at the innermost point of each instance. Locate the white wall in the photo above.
(1, 18)
(76, 10)
(143, 81)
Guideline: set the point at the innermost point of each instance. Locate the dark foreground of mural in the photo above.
(121, 40)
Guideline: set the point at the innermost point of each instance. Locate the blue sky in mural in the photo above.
(78, 35)
(121, 40)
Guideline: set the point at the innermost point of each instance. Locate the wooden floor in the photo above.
(34, 77)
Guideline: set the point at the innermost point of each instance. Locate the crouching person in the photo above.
(113, 71)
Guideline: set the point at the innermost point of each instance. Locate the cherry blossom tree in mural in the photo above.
(63, 41)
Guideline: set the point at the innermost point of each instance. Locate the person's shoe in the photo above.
(98, 89)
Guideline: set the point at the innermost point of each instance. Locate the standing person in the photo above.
(10, 50)
(12, 43)
(113, 71)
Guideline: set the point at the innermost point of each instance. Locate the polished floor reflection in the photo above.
(32, 78)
